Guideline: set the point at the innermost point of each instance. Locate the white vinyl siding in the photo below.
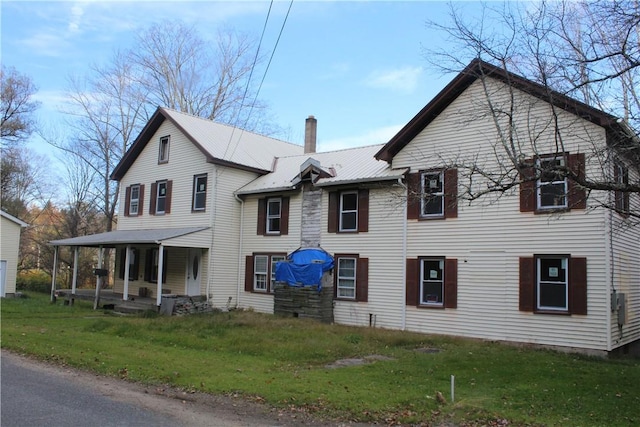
(9, 248)
(490, 235)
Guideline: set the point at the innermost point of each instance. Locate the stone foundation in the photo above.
(290, 301)
(180, 305)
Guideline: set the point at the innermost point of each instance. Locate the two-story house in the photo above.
(207, 209)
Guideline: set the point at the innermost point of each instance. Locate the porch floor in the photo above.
(108, 296)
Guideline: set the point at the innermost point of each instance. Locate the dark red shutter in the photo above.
(450, 283)
(148, 264)
(154, 198)
(413, 195)
(332, 220)
(248, 274)
(451, 193)
(127, 200)
(284, 216)
(363, 210)
(362, 280)
(577, 194)
(167, 202)
(413, 277)
(527, 284)
(528, 188)
(578, 285)
(262, 217)
(141, 200)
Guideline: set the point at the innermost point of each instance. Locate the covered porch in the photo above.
(148, 263)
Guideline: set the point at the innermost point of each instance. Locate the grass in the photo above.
(283, 362)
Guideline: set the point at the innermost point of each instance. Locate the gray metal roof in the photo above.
(233, 144)
(123, 237)
(353, 165)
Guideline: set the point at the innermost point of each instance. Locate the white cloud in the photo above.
(76, 16)
(372, 137)
(401, 79)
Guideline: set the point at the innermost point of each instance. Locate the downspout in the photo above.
(610, 271)
(212, 223)
(54, 273)
(404, 256)
(239, 199)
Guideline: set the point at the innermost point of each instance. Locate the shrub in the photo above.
(34, 281)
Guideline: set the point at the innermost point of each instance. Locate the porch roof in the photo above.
(123, 237)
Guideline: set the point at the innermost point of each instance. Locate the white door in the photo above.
(194, 271)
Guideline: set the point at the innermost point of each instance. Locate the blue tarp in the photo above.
(304, 267)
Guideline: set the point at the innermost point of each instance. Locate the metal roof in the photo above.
(353, 165)
(123, 237)
(231, 144)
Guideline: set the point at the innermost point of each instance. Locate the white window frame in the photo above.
(541, 184)
(342, 278)
(270, 216)
(159, 186)
(344, 211)
(429, 279)
(163, 149)
(197, 192)
(562, 281)
(134, 201)
(274, 260)
(427, 194)
(261, 277)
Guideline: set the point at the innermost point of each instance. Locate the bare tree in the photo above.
(584, 51)
(18, 106)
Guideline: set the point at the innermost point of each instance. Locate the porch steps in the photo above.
(131, 307)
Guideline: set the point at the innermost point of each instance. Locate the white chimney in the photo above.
(310, 128)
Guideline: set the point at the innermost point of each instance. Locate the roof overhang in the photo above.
(125, 237)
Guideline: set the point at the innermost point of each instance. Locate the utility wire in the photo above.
(265, 71)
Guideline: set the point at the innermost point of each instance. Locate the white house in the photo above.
(10, 228)
(207, 209)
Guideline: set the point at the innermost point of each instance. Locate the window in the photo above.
(546, 183)
(351, 278)
(260, 272)
(152, 257)
(552, 184)
(133, 263)
(161, 197)
(273, 216)
(133, 198)
(346, 278)
(432, 282)
(348, 211)
(432, 194)
(553, 284)
(163, 153)
(621, 176)
(199, 192)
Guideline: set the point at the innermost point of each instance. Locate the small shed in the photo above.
(10, 229)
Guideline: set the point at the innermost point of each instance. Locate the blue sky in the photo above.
(357, 66)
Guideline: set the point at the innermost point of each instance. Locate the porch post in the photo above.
(54, 274)
(96, 301)
(159, 272)
(74, 281)
(127, 261)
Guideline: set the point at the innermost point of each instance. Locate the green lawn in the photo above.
(284, 363)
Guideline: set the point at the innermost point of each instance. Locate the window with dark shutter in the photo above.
(127, 200)
(578, 285)
(527, 284)
(273, 216)
(348, 211)
(412, 279)
(248, 274)
(351, 278)
(450, 283)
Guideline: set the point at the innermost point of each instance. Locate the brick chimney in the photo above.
(311, 125)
